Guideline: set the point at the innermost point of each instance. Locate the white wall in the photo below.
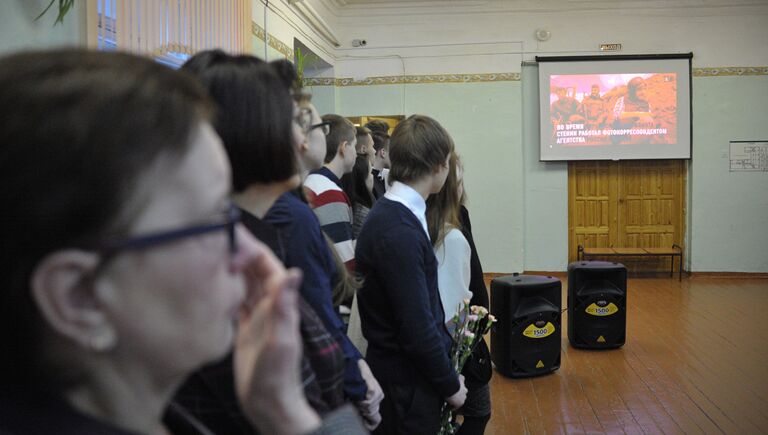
(732, 34)
(20, 31)
(729, 217)
(409, 39)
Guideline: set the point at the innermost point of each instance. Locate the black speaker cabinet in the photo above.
(597, 304)
(526, 339)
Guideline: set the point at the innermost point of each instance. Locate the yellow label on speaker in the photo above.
(601, 339)
(540, 364)
(545, 331)
(597, 310)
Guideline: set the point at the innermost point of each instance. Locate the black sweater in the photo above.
(400, 308)
(476, 280)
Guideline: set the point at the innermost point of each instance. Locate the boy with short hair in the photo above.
(364, 144)
(381, 163)
(400, 309)
(325, 193)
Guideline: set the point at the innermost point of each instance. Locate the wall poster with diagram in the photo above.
(748, 156)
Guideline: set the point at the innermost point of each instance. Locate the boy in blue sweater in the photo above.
(400, 309)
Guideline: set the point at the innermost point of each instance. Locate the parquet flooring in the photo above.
(695, 361)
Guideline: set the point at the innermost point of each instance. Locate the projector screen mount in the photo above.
(624, 107)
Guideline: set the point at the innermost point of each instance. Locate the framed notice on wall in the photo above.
(748, 156)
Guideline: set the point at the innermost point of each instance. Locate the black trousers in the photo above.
(409, 409)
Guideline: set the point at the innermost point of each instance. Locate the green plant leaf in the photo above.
(64, 7)
(45, 10)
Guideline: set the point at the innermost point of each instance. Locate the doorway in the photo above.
(627, 204)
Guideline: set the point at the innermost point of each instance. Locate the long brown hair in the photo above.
(444, 207)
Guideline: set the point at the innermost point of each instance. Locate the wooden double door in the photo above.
(627, 204)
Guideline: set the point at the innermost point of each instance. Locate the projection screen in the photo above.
(615, 107)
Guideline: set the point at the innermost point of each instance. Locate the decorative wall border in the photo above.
(731, 71)
(502, 77)
(273, 42)
(414, 79)
(287, 51)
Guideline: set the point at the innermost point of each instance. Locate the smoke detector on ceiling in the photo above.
(543, 34)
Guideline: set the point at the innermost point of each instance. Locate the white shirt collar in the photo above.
(411, 199)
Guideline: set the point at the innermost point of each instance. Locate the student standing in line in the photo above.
(262, 148)
(401, 313)
(324, 190)
(458, 272)
(364, 142)
(381, 164)
(307, 249)
(358, 185)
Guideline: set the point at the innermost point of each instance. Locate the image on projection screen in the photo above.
(613, 109)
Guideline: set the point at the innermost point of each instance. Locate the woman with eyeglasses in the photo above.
(125, 269)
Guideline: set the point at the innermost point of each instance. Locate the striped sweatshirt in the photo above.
(334, 211)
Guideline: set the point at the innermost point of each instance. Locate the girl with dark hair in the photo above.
(125, 268)
(358, 185)
(269, 159)
(261, 129)
(477, 371)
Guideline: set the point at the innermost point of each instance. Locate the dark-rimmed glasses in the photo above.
(326, 126)
(227, 221)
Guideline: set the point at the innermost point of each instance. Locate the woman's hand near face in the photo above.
(268, 345)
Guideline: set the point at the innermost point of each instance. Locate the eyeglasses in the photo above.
(227, 221)
(326, 126)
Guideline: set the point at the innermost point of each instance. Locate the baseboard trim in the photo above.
(558, 274)
(731, 275)
(643, 274)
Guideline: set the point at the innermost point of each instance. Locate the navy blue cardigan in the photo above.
(306, 249)
(400, 308)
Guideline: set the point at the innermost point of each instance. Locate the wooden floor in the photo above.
(695, 361)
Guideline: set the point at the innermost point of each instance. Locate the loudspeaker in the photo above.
(526, 339)
(597, 304)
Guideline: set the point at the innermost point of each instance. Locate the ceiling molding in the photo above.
(367, 8)
(314, 20)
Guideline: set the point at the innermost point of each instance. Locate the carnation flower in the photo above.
(466, 336)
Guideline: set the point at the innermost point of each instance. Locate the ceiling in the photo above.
(529, 5)
(380, 2)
